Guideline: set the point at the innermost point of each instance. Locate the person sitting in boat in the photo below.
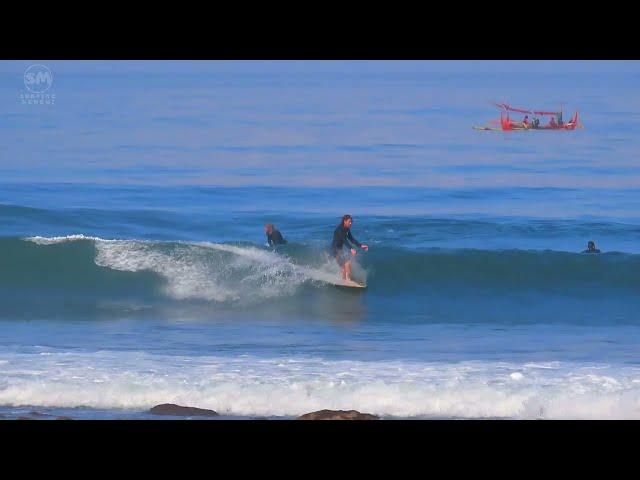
(525, 121)
(552, 122)
(536, 122)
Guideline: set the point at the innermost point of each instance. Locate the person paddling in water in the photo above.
(591, 248)
(274, 237)
(342, 237)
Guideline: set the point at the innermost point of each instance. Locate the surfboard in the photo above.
(348, 283)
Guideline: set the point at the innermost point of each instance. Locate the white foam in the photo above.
(187, 275)
(67, 238)
(292, 386)
(191, 272)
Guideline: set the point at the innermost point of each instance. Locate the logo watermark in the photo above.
(38, 80)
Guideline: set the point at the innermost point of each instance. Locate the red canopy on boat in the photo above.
(521, 110)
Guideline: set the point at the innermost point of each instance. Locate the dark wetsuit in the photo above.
(275, 238)
(341, 237)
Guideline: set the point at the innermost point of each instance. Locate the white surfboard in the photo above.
(347, 283)
(331, 278)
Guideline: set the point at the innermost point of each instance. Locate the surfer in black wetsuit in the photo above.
(591, 248)
(274, 237)
(342, 237)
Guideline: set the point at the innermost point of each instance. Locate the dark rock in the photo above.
(39, 414)
(337, 415)
(177, 410)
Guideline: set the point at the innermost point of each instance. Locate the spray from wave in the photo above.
(208, 271)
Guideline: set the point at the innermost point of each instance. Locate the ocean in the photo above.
(134, 269)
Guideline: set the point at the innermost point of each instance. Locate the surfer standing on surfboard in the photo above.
(341, 237)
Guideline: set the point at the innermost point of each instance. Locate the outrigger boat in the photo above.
(555, 123)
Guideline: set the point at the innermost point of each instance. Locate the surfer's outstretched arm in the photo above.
(356, 242)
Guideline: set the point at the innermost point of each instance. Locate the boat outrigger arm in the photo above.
(555, 123)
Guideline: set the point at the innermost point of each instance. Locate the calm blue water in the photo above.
(134, 271)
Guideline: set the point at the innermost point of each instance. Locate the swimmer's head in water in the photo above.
(591, 245)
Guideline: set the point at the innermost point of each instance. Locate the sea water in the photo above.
(134, 269)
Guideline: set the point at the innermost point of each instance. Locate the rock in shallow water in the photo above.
(179, 411)
(338, 415)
